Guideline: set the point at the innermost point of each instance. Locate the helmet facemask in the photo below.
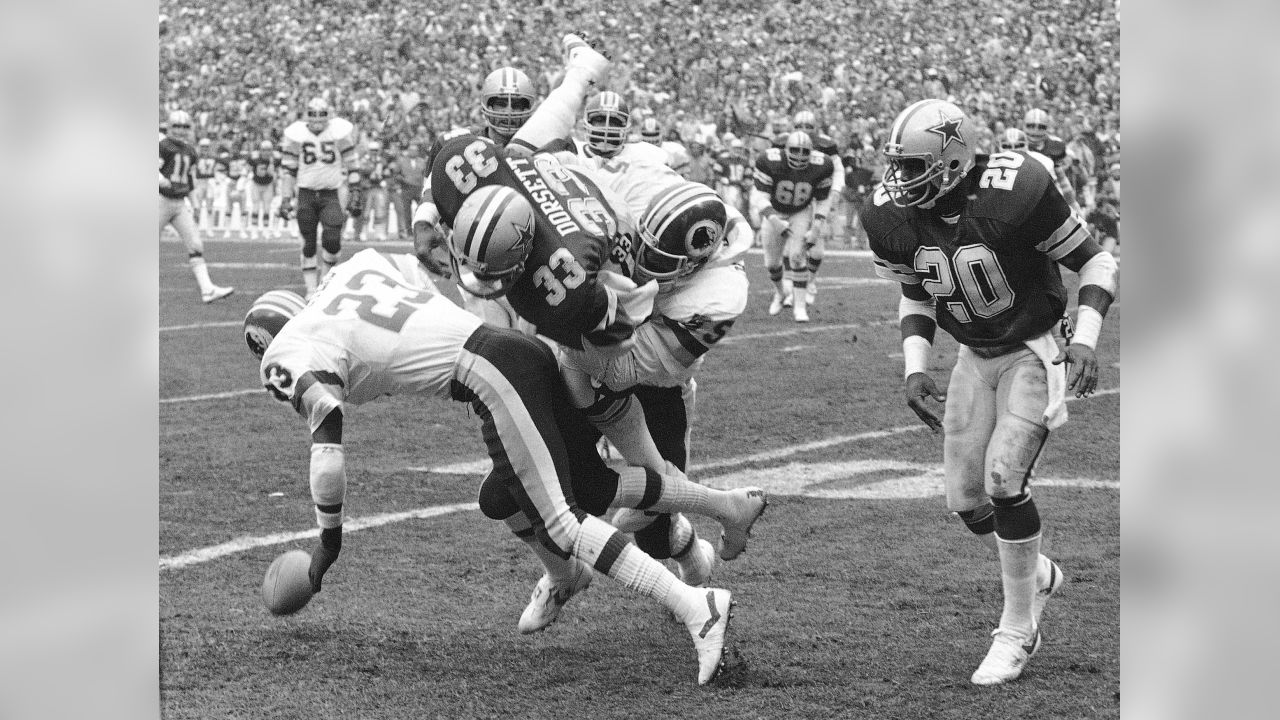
(607, 125)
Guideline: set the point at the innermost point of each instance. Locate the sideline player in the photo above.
(792, 191)
(975, 242)
(370, 331)
(177, 179)
(316, 153)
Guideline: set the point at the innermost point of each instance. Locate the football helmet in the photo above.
(1036, 123)
(506, 100)
(805, 121)
(317, 114)
(797, 150)
(180, 125)
(608, 120)
(492, 235)
(1014, 139)
(650, 131)
(929, 152)
(267, 317)
(681, 229)
(266, 146)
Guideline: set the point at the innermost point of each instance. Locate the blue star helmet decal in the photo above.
(949, 129)
(524, 238)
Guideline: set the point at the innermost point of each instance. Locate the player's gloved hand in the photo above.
(919, 387)
(324, 555)
(286, 208)
(1084, 368)
(429, 245)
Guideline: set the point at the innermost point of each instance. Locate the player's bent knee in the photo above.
(980, 520)
(1016, 518)
(495, 501)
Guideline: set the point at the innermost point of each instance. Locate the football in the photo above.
(287, 587)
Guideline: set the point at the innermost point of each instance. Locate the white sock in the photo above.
(309, 273)
(627, 564)
(201, 271)
(1019, 561)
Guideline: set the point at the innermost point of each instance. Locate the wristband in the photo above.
(915, 355)
(1088, 327)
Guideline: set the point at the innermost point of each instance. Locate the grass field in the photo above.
(859, 596)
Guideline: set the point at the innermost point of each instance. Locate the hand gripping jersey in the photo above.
(580, 228)
(791, 190)
(994, 272)
(320, 159)
(177, 162)
(371, 329)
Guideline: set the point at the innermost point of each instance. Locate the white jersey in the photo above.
(376, 326)
(637, 173)
(321, 160)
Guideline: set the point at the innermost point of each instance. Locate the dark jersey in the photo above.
(821, 143)
(791, 190)
(262, 167)
(858, 181)
(733, 168)
(994, 272)
(576, 232)
(204, 166)
(178, 163)
(1054, 149)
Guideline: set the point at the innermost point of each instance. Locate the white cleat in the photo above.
(1008, 655)
(548, 598)
(695, 567)
(217, 293)
(749, 505)
(801, 314)
(579, 54)
(788, 300)
(710, 628)
(1056, 579)
(775, 305)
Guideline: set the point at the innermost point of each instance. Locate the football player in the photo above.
(792, 191)
(205, 165)
(262, 171)
(819, 233)
(316, 155)
(1015, 140)
(177, 178)
(975, 242)
(376, 327)
(1036, 124)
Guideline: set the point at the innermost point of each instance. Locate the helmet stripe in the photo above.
(486, 220)
(668, 206)
(895, 135)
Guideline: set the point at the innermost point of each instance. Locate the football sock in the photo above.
(610, 553)
(201, 271)
(309, 273)
(1018, 535)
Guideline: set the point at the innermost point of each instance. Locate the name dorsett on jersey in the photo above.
(321, 159)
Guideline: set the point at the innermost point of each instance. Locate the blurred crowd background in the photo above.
(708, 71)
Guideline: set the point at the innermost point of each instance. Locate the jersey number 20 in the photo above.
(976, 270)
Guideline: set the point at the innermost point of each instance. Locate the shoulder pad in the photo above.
(341, 127)
(1009, 204)
(297, 131)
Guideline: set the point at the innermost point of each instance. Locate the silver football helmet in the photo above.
(492, 236)
(506, 100)
(929, 150)
(608, 121)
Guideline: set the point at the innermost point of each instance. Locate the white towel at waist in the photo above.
(1045, 348)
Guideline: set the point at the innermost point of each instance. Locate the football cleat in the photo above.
(549, 598)
(775, 305)
(749, 504)
(801, 313)
(216, 293)
(811, 295)
(695, 567)
(1008, 655)
(1056, 579)
(710, 629)
(788, 301)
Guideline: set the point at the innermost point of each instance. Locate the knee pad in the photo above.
(1016, 518)
(309, 246)
(332, 216)
(980, 520)
(495, 501)
(331, 238)
(1015, 446)
(656, 538)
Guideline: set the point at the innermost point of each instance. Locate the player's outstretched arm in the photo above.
(1097, 270)
(328, 490)
(917, 319)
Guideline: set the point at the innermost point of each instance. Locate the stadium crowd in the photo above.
(245, 68)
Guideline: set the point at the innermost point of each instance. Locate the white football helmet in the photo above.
(1014, 139)
(317, 115)
(268, 316)
(681, 229)
(650, 131)
(929, 152)
(506, 100)
(608, 121)
(1036, 123)
(492, 235)
(180, 126)
(797, 150)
